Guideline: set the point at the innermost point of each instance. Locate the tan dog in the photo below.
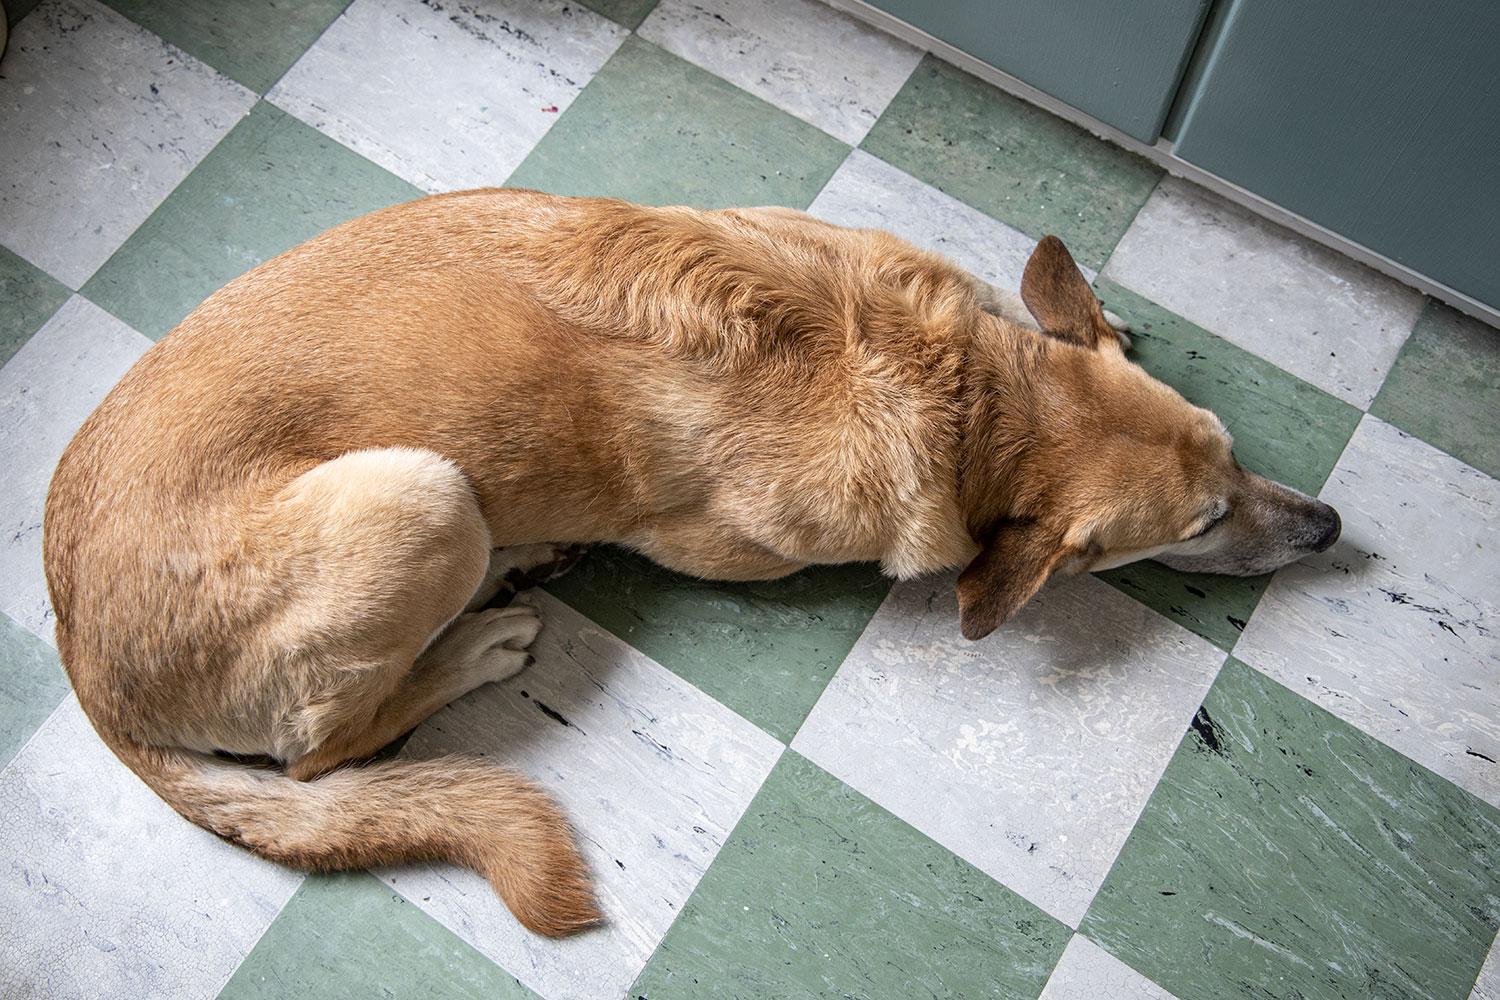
(272, 536)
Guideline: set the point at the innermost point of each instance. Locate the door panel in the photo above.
(1379, 119)
(1117, 60)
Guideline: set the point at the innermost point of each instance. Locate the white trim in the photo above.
(1161, 154)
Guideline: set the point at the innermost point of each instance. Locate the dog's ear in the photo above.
(1017, 558)
(1059, 298)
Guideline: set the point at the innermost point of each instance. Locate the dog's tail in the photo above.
(452, 809)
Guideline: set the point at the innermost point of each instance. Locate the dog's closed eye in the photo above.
(1215, 517)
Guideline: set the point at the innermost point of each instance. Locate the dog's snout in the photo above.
(1331, 525)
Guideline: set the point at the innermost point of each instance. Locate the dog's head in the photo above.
(1096, 464)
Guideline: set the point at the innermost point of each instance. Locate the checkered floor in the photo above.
(1148, 785)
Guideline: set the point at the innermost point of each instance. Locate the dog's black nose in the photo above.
(1333, 524)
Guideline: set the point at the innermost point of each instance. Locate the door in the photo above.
(1117, 60)
(1379, 119)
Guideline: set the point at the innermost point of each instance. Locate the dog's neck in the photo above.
(1011, 389)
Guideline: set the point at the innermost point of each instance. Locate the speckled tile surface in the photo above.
(347, 937)
(1395, 628)
(811, 894)
(868, 193)
(31, 297)
(252, 42)
(1487, 986)
(32, 685)
(808, 787)
(1445, 387)
(1028, 754)
(272, 183)
(805, 58)
(626, 13)
(494, 78)
(17, 9)
(1287, 854)
(653, 773)
(143, 905)
(765, 649)
(46, 391)
(656, 129)
(1012, 161)
(1088, 972)
(1319, 315)
(102, 119)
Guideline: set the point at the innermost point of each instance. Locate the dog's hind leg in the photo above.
(478, 648)
(335, 586)
(384, 550)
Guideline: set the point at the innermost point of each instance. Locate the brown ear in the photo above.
(1059, 298)
(1017, 559)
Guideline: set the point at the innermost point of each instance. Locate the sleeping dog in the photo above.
(277, 536)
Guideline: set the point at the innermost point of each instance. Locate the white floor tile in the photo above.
(1318, 314)
(1487, 987)
(106, 892)
(1088, 972)
(100, 119)
(46, 390)
(806, 58)
(868, 193)
(444, 94)
(1030, 753)
(1395, 629)
(653, 773)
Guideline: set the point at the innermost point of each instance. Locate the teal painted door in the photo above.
(1117, 60)
(1379, 119)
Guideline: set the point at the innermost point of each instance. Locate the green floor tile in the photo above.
(17, 9)
(1286, 854)
(821, 893)
(28, 298)
(653, 128)
(250, 41)
(1216, 607)
(348, 937)
(1012, 161)
(32, 684)
(1283, 427)
(1445, 386)
(630, 13)
(270, 184)
(765, 649)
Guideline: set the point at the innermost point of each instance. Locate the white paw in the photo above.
(1120, 325)
(478, 632)
(513, 627)
(490, 645)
